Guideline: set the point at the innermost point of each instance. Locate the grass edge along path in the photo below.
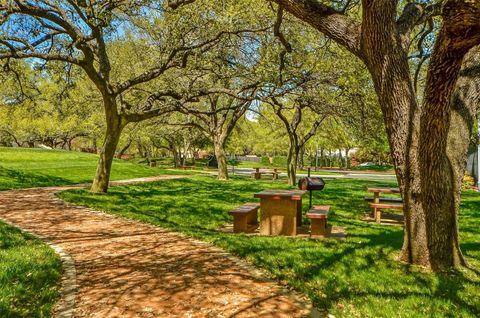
(30, 274)
(358, 277)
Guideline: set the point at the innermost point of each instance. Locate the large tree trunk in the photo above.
(430, 182)
(388, 65)
(347, 158)
(176, 156)
(115, 126)
(446, 126)
(322, 157)
(340, 158)
(219, 145)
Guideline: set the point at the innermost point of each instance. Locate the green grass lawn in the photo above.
(29, 273)
(356, 277)
(26, 168)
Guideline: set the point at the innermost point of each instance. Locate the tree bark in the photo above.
(176, 156)
(292, 162)
(219, 145)
(347, 159)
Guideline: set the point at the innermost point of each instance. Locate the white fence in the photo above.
(472, 165)
(247, 158)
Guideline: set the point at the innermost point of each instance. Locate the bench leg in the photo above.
(252, 220)
(245, 223)
(299, 213)
(377, 214)
(240, 224)
(318, 227)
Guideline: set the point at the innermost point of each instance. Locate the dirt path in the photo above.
(128, 269)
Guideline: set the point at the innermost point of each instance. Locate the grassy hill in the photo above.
(26, 168)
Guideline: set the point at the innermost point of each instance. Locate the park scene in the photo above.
(239, 158)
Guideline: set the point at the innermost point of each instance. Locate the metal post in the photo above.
(310, 200)
(310, 206)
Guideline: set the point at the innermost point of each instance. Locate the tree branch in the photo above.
(336, 25)
(414, 14)
(313, 130)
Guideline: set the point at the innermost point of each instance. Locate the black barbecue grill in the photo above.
(311, 184)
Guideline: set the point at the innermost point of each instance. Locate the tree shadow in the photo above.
(15, 179)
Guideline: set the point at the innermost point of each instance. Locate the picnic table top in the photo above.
(295, 195)
(384, 190)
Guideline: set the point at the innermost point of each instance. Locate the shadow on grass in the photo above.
(15, 179)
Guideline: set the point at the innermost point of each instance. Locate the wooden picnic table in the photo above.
(379, 203)
(258, 173)
(280, 211)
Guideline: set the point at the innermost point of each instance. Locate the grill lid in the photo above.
(311, 183)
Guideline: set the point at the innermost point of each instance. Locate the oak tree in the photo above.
(428, 137)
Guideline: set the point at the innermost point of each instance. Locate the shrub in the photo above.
(468, 182)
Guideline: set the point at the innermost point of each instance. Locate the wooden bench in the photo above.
(187, 167)
(318, 216)
(377, 214)
(385, 200)
(245, 217)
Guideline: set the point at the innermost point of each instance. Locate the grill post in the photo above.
(310, 200)
(310, 206)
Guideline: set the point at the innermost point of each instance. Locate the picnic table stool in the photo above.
(318, 215)
(245, 217)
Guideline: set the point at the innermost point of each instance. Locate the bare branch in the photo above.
(415, 14)
(48, 57)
